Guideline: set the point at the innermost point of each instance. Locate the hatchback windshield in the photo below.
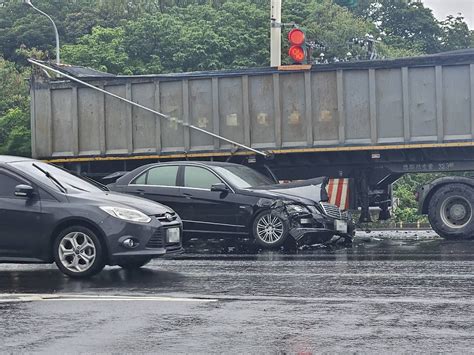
(243, 177)
(72, 183)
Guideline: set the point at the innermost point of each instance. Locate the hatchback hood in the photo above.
(302, 191)
(121, 200)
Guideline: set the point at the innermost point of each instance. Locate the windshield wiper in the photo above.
(93, 182)
(52, 178)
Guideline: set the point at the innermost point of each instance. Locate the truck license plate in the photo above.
(341, 226)
(172, 235)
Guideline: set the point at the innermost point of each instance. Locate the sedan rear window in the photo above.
(160, 176)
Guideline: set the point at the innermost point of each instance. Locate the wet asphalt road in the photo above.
(394, 291)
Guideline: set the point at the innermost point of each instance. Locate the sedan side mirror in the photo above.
(221, 187)
(24, 191)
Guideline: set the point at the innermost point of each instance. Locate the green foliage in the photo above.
(347, 3)
(14, 110)
(15, 137)
(455, 33)
(102, 49)
(13, 88)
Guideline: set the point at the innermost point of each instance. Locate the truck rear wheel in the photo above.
(451, 211)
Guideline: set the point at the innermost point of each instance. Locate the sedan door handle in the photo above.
(187, 195)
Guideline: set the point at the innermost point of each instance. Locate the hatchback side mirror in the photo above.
(24, 191)
(220, 187)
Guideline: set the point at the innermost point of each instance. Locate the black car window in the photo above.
(161, 176)
(8, 184)
(242, 176)
(199, 178)
(141, 180)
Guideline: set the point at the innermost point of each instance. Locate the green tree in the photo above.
(14, 110)
(407, 25)
(102, 49)
(455, 33)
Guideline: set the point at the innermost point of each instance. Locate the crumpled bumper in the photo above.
(320, 229)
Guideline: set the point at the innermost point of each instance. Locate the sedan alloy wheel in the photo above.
(270, 230)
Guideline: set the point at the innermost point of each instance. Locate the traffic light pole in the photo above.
(275, 33)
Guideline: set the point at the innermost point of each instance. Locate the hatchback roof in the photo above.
(12, 159)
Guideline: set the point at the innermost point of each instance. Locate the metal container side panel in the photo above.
(457, 102)
(116, 115)
(356, 106)
(325, 110)
(144, 122)
(389, 106)
(171, 103)
(62, 122)
(422, 104)
(42, 129)
(231, 110)
(90, 109)
(200, 107)
(292, 98)
(262, 119)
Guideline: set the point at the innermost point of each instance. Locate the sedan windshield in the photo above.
(243, 177)
(73, 184)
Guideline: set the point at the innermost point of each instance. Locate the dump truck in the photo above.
(364, 124)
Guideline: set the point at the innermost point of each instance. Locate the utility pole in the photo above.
(28, 2)
(275, 33)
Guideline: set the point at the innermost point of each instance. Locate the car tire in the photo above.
(451, 211)
(270, 230)
(78, 252)
(134, 264)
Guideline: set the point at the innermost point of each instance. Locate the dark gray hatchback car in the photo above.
(49, 215)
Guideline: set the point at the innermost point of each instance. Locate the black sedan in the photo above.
(223, 199)
(49, 215)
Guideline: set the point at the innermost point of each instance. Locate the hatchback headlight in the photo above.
(296, 209)
(127, 214)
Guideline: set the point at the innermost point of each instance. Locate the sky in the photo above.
(443, 8)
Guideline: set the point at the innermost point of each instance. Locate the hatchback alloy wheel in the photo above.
(78, 252)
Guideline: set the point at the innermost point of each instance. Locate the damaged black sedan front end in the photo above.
(310, 218)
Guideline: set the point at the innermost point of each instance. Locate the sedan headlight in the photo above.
(296, 209)
(126, 214)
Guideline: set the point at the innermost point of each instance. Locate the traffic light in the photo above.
(297, 51)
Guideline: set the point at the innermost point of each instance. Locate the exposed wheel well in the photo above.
(78, 222)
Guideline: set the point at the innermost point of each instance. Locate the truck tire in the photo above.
(451, 212)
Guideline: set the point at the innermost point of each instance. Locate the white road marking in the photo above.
(17, 298)
(14, 297)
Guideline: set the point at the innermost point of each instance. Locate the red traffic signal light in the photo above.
(297, 51)
(296, 37)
